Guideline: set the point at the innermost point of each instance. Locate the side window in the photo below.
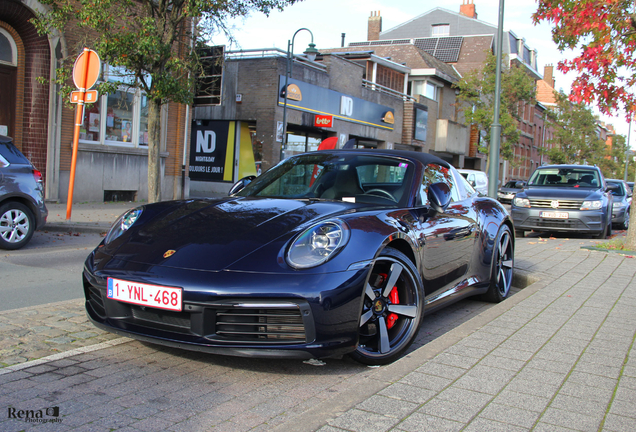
(434, 173)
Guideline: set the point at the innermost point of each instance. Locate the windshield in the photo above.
(565, 177)
(346, 177)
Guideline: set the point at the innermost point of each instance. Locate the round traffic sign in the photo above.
(86, 69)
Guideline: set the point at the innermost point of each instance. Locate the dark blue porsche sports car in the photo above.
(327, 253)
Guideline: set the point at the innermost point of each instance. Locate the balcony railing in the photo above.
(386, 90)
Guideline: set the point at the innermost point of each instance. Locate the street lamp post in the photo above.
(495, 129)
(311, 53)
(629, 131)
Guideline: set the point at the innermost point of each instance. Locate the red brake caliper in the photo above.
(392, 318)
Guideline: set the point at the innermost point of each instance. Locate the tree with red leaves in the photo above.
(604, 34)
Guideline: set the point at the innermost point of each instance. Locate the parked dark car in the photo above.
(327, 253)
(507, 192)
(22, 208)
(568, 198)
(622, 197)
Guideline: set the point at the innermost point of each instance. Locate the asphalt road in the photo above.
(48, 269)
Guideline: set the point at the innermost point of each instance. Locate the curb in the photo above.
(77, 227)
(381, 377)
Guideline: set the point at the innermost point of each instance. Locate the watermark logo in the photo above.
(44, 415)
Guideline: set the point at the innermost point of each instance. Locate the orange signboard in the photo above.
(86, 68)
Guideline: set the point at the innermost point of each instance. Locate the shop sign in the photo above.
(323, 101)
(421, 123)
(323, 121)
(211, 143)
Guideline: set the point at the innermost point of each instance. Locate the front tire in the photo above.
(501, 267)
(392, 309)
(626, 221)
(17, 225)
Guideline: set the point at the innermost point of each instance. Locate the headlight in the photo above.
(618, 205)
(521, 202)
(317, 244)
(591, 205)
(123, 224)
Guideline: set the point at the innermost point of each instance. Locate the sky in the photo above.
(328, 19)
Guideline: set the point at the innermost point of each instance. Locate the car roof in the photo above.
(566, 166)
(424, 158)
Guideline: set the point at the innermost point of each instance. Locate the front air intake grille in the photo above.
(260, 325)
(562, 204)
(96, 301)
(179, 320)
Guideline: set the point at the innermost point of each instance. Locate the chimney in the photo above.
(375, 26)
(548, 76)
(468, 9)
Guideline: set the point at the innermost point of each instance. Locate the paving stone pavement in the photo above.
(556, 356)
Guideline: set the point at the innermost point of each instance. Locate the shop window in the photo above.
(118, 118)
(208, 86)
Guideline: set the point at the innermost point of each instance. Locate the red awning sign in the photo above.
(323, 121)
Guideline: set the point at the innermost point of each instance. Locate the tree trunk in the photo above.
(630, 240)
(154, 144)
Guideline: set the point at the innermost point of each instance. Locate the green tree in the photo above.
(613, 164)
(152, 41)
(477, 99)
(575, 137)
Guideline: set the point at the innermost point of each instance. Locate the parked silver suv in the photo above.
(566, 198)
(22, 208)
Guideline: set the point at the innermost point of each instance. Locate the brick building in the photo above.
(112, 152)
(461, 41)
(330, 99)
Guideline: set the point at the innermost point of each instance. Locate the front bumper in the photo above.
(618, 215)
(526, 219)
(238, 313)
(505, 197)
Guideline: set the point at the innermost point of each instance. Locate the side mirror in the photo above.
(520, 185)
(439, 196)
(239, 185)
(472, 183)
(611, 187)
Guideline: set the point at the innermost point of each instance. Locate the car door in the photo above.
(448, 238)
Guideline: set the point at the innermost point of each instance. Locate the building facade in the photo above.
(112, 151)
(329, 100)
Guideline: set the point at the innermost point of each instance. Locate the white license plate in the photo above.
(554, 215)
(155, 296)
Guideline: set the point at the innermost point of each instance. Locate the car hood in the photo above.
(570, 193)
(212, 234)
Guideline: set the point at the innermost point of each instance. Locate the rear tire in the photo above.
(386, 328)
(502, 266)
(17, 225)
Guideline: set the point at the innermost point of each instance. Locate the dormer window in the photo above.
(440, 30)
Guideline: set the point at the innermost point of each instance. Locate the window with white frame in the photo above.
(118, 118)
(440, 30)
(425, 88)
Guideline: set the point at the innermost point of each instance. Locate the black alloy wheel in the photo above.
(17, 225)
(502, 267)
(391, 311)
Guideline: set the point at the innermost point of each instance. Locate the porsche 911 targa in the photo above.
(327, 253)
